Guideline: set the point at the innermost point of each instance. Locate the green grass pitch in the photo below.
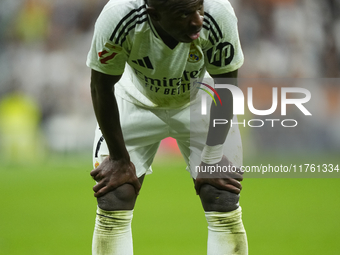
(49, 209)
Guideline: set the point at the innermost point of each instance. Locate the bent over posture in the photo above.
(144, 58)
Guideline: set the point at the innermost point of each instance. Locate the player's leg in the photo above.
(217, 200)
(226, 234)
(122, 198)
(112, 234)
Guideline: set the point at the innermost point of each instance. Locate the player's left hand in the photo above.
(225, 180)
(111, 174)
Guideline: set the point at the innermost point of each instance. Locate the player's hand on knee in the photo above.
(111, 174)
(222, 175)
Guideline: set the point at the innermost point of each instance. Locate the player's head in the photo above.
(181, 19)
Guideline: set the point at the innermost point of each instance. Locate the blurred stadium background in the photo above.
(47, 123)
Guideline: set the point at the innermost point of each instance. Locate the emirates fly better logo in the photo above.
(238, 104)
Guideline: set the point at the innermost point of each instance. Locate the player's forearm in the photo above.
(217, 133)
(107, 114)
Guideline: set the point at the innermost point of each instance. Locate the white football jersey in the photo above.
(155, 75)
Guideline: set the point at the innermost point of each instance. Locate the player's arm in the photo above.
(217, 136)
(117, 169)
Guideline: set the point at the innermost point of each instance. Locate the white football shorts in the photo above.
(144, 129)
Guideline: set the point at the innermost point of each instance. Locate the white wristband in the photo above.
(212, 154)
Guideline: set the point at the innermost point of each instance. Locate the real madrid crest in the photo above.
(194, 54)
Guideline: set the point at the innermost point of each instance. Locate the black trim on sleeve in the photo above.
(209, 23)
(127, 23)
(130, 28)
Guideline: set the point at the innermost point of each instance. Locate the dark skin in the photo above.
(226, 112)
(177, 21)
(118, 185)
(116, 174)
(220, 193)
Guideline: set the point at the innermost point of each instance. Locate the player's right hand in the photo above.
(229, 180)
(111, 174)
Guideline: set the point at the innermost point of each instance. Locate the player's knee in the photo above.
(217, 200)
(122, 198)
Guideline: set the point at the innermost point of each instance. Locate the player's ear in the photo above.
(153, 13)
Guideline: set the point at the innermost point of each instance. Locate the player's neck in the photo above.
(166, 38)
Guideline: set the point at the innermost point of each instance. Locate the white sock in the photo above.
(226, 234)
(112, 233)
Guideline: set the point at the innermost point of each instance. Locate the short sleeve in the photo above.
(223, 52)
(106, 55)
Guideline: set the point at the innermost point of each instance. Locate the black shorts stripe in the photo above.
(119, 25)
(98, 146)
